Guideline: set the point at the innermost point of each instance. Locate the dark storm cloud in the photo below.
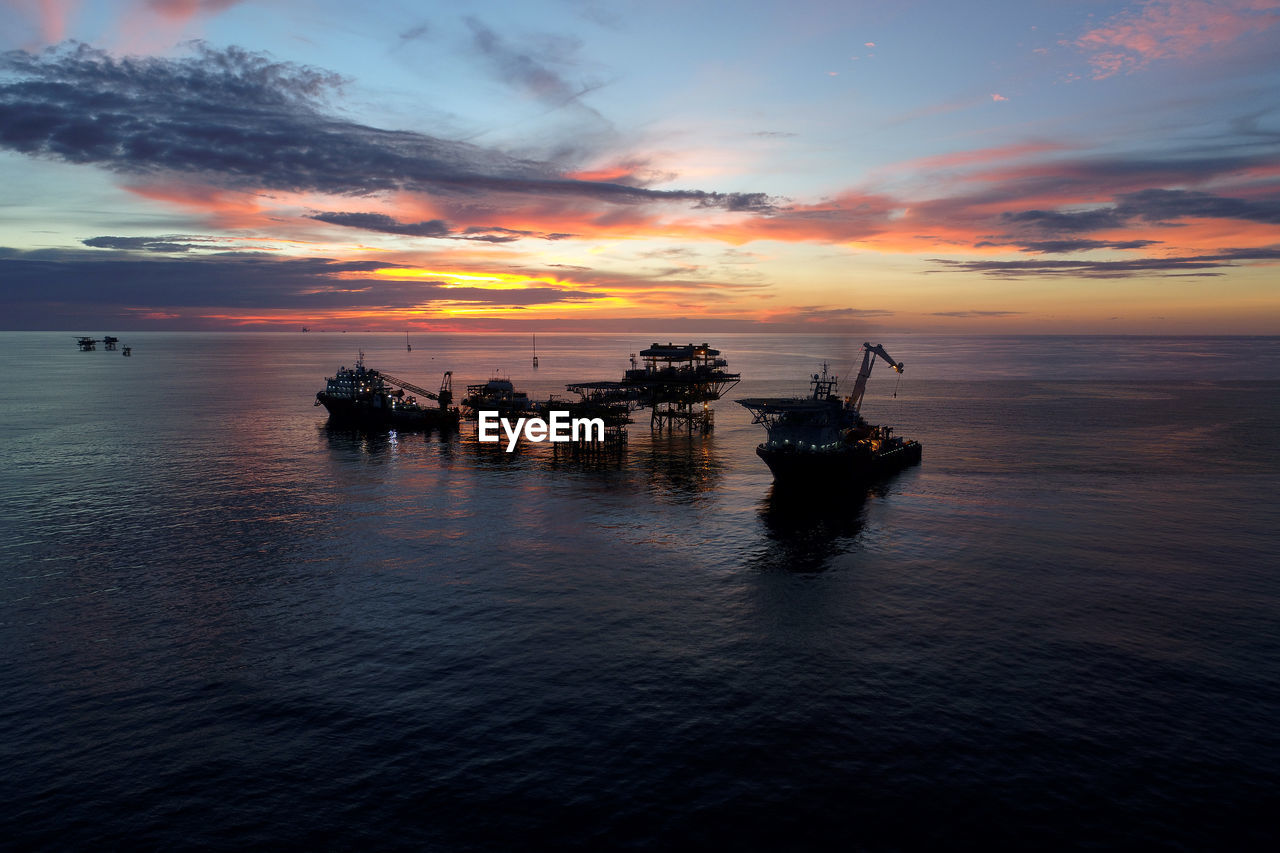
(246, 281)
(1057, 231)
(1159, 205)
(386, 224)
(741, 202)
(1059, 222)
(495, 234)
(1058, 247)
(1131, 192)
(236, 119)
(1198, 265)
(1063, 246)
(809, 313)
(141, 244)
(1122, 173)
(433, 228)
(171, 243)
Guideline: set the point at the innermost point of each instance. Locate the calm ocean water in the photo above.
(226, 625)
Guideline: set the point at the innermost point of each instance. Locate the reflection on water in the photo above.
(678, 468)
(806, 528)
(537, 456)
(380, 441)
(672, 468)
(345, 440)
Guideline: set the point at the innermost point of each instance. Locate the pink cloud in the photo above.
(182, 10)
(1172, 29)
(48, 16)
(49, 19)
(996, 97)
(54, 13)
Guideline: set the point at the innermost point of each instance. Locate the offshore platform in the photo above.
(87, 344)
(676, 382)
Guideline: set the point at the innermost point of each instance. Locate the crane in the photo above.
(860, 387)
(444, 396)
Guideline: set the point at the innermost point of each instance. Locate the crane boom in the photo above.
(444, 396)
(860, 387)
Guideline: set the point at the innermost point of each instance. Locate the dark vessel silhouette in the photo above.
(823, 439)
(367, 397)
(499, 395)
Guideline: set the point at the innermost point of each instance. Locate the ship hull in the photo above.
(840, 465)
(366, 414)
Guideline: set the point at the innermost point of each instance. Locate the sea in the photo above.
(226, 624)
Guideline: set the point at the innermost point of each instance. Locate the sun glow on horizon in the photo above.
(488, 281)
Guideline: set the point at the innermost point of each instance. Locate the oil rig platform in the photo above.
(615, 414)
(676, 382)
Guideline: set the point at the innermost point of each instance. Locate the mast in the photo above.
(535, 351)
(825, 385)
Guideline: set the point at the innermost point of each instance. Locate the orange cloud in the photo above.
(224, 208)
(609, 174)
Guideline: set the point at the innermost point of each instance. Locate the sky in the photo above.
(566, 165)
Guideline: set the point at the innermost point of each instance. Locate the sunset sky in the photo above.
(543, 165)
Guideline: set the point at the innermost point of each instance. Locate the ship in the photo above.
(366, 397)
(823, 439)
(499, 395)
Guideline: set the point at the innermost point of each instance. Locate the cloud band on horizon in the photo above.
(239, 120)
